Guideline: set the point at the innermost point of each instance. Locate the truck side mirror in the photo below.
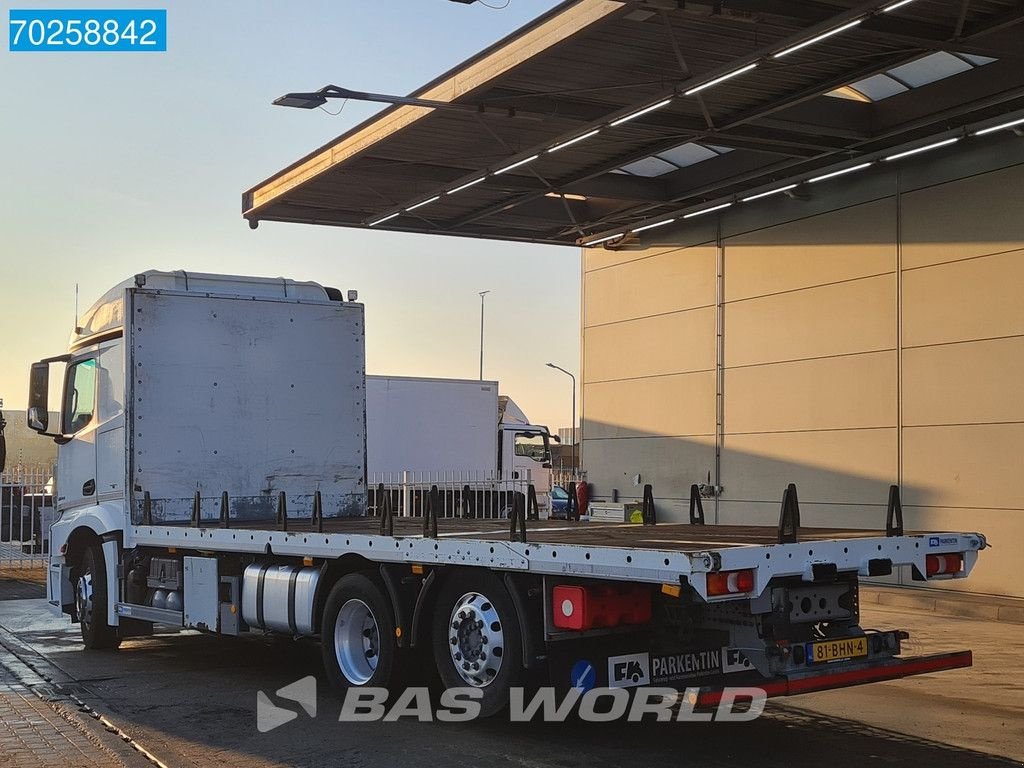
(38, 396)
(38, 419)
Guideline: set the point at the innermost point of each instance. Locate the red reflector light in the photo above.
(941, 565)
(730, 582)
(577, 607)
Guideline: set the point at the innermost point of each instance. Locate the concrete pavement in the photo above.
(980, 708)
(190, 700)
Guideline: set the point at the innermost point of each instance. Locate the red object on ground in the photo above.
(582, 497)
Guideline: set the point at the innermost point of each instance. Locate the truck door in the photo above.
(529, 457)
(109, 421)
(76, 464)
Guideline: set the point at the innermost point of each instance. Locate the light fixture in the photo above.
(300, 100)
(423, 202)
(467, 185)
(651, 226)
(894, 6)
(721, 78)
(386, 218)
(759, 195)
(842, 172)
(605, 239)
(570, 142)
(925, 148)
(1001, 126)
(707, 210)
(516, 164)
(639, 112)
(319, 98)
(818, 38)
(566, 196)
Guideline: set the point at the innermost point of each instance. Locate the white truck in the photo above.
(212, 476)
(455, 433)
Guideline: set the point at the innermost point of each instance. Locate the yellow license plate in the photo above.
(837, 650)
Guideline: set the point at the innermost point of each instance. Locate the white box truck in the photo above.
(212, 475)
(453, 433)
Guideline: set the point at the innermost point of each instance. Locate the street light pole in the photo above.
(482, 294)
(575, 464)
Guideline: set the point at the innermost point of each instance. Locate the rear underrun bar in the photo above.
(824, 680)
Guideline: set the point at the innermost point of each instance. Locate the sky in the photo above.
(119, 162)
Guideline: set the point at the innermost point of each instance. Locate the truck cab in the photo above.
(524, 449)
(156, 403)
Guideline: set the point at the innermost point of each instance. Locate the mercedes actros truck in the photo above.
(212, 475)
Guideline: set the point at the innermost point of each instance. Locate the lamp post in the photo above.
(314, 99)
(482, 294)
(575, 464)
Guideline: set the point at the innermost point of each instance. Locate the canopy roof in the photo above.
(722, 100)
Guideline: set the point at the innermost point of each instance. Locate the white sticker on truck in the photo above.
(629, 671)
(733, 660)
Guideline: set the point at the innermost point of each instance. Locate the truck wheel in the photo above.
(477, 639)
(91, 601)
(358, 634)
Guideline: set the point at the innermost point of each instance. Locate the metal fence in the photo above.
(563, 477)
(484, 495)
(26, 513)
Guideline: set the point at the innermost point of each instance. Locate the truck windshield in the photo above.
(533, 445)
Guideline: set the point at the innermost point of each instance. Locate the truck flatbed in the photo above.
(661, 553)
(679, 536)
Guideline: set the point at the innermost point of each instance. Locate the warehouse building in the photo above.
(802, 246)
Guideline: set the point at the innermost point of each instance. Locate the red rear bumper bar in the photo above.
(829, 677)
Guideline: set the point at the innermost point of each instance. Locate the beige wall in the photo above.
(870, 337)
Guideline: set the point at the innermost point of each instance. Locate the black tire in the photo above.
(494, 604)
(90, 590)
(382, 667)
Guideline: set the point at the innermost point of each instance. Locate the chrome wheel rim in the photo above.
(356, 642)
(476, 640)
(83, 599)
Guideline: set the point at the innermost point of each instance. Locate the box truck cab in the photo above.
(525, 450)
(221, 383)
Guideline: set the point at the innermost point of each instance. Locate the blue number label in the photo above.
(87, 30)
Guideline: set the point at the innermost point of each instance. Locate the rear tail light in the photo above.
(577, 607)
(942, 565)
(730, 582)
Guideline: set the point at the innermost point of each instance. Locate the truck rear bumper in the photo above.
(845, 676)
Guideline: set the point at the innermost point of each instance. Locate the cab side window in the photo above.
(79, 396)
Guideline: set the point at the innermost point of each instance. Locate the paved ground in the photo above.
(190, 700)
(32, 732)
(17, 583)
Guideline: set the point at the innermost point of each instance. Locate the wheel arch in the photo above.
(78, 542)
(331, 573)
(524, 590)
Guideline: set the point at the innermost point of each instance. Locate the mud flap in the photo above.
(59, 592)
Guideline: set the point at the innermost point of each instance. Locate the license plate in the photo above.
(839, 649)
